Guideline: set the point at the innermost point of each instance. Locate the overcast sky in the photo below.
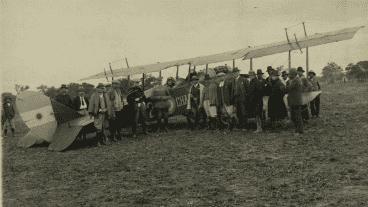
(56, 42)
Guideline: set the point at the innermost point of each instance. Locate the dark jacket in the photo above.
(244, 89)
(276, 105)
(135, 92)
(64, 99)
(112, 95)
(256, 93)
(77, 103)
(223, 94)
(95, 105)
(294, 91)
(9, 111)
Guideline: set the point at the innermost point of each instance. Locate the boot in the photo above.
(144, 126)
(158, 125)
(204, 124)
(5, 132)
(134, 130)
(259, 125)
(12, 129)
(166, 123)
(103, 138)
(113, 135)
(233, 124)
(97, 139)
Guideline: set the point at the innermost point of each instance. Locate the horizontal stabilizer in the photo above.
(64, 136)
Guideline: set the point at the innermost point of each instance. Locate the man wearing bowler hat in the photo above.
(195, 103)
(136, 100)
(101, 109)
(63, 97)
(256, 93)
(116, 99)
(314, 105)
(294, 91)
(239, 95)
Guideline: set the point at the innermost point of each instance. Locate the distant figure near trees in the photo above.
(7, 121)
(344, 79)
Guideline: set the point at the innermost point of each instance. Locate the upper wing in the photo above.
(246, 53)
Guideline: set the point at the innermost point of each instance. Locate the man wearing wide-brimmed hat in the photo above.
(160, 96)
(276, 107)
(195, 103)
(63, 97)
(294, 91)
(136, 100)
(314, 105)
(256, 93)
(117, 102)
(9, 114)
(210, 100)
(81, 102)
(100, 108)
(239, 97)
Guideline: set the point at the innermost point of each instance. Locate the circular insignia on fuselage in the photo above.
(39, 116)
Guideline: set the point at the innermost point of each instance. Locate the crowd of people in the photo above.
(224, 102)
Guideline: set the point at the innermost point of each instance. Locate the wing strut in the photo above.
(297, 43)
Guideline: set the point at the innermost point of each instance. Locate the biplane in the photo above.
(178, 102)
(59, 125)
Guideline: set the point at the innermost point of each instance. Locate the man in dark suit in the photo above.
(63, 97)
(256, 97)
(294, 91)
(239, 98)
(81, 103)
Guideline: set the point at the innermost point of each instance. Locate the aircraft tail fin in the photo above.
(63, 113)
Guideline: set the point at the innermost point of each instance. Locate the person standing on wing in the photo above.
(116, 99)
(101, 109)
(239, 98)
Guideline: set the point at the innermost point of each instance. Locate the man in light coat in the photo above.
(101, 109)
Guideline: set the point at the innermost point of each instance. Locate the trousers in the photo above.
(314, 105)
(296, 117)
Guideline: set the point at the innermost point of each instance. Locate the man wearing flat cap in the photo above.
(239, 95)
(195, 103)
(7, 121)
(116, 99)
(256, 93)
(136, 100)
(100, 108)
(314, 105)
(307, 86)
(63, 97)
(294, 91)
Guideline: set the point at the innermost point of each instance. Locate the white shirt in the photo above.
(196, 85)
(9, 104)
(82, 101)
(101, 95)
(222, 83)
(237, 77)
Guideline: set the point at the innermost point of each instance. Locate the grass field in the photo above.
(326, 167)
